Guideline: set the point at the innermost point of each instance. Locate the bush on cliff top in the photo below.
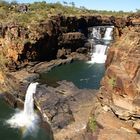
(11, 12)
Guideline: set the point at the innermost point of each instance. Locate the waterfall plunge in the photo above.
(108, 35)
(99, 55)
(26, 119)
(99, 49)
(96, 33)
(29, 105)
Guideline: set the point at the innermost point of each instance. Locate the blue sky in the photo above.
(125, 5)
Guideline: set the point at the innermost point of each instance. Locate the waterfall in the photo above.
(26, 119)
(29, 104)
(96, 33)
(108, 33)
(99, 44)
(99, 55)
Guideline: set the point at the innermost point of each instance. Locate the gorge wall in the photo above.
(116, 112)
(45, 40)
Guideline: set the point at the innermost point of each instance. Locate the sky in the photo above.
(114, 5)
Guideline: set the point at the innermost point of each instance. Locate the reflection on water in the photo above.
(82, 74)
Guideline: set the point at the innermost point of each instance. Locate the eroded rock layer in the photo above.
(52, 38)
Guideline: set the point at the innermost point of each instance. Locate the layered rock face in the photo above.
(123, 63)
(117, 109)
(49, 39)
(36, 42)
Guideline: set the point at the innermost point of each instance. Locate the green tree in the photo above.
(138, 10)
(14, 2)
(65, 3)
(72, 4)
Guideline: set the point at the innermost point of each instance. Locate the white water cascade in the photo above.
(108, 33)
(27, 119)
(99, 44)
(96, 33)
(99, 55)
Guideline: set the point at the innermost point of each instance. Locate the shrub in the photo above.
(112, 82)
(92, 124)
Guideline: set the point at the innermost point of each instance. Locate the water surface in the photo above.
(7, 133)
(81, 73)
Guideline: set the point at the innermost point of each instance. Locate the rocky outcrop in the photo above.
(70, 42)
(36, 42)
(104, 125)
(47, 40)
(123, 65)
(134, 18)
(66, 108)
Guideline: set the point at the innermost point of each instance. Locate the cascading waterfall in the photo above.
(108, 33)
(99, 44)
(99, 55)
(29, 104)
(26, 119)
(96, 33)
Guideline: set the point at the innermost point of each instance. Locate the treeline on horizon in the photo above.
(11, 12)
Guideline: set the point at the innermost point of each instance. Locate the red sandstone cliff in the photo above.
(117, 110)
(41, 41)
